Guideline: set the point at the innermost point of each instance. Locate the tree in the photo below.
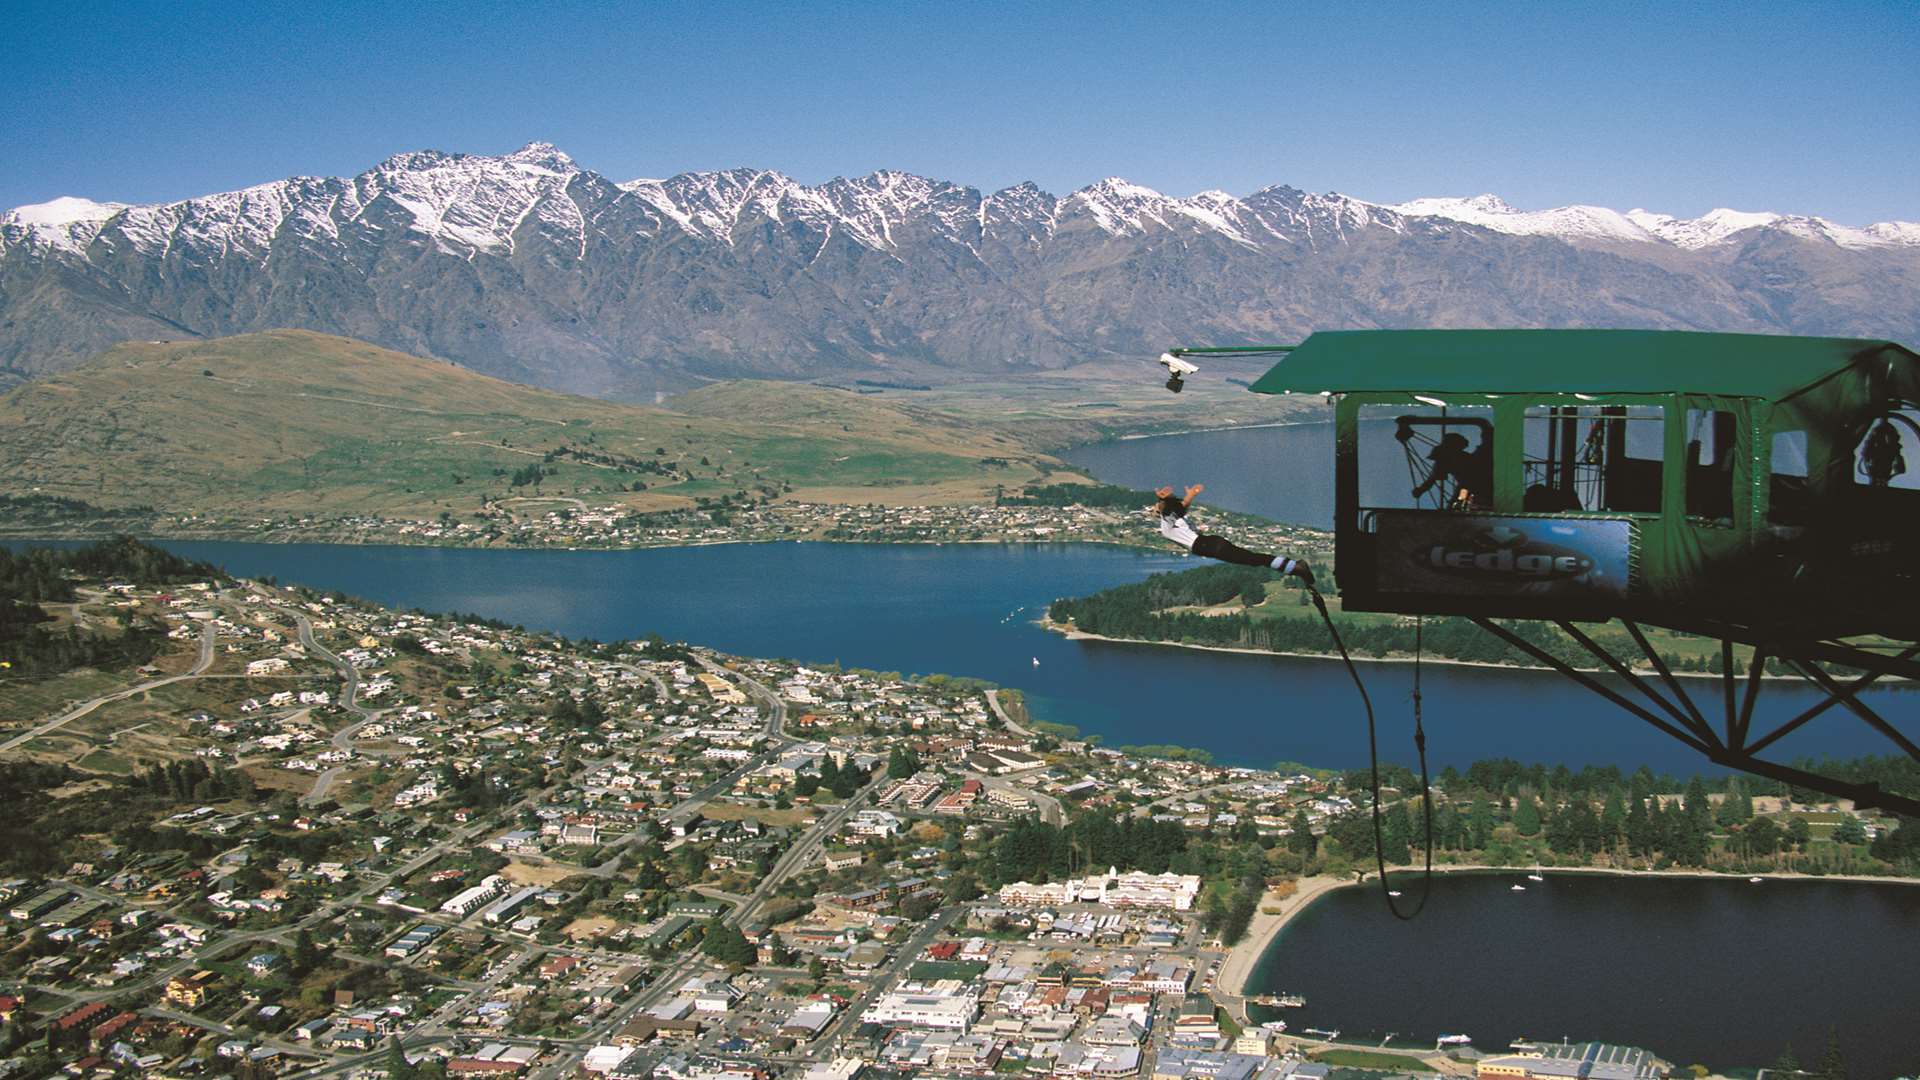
(397, 1067)
(962, 887)
(902, 763)
(1300, 838)
(848, 780)
(728, 945)
(1850, 831)
(1642, 832)
(1397, 833)
(1613, 819)
(1698, 806)
(1737, 807)
(1480, 824)
(305, 956)
(1216, 914)
(647, 873)
(1761, 836)
(1833, 1064)
(1526, 817)
(1799, 832)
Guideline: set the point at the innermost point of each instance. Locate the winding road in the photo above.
(199, 668)
(349, 695)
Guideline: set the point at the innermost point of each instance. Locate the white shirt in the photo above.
(1178, 530)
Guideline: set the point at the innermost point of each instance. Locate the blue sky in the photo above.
(1679, 108)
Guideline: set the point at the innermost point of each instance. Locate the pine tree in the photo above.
(1698, 805)
(1613, 819)
(1642, 830)
(1526, 816)
(1736, 807)
(1833, 1064)
(1300, 840)
(1480, 824)
(1397, 834)
(305, 955)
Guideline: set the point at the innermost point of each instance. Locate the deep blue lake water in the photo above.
(1284, 473)
(1719, 972)
(968, 609)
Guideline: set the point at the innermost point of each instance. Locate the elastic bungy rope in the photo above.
(1373, 754)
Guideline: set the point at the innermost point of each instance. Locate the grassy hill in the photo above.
(297, 422)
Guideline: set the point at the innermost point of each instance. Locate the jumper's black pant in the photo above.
(1213, 547)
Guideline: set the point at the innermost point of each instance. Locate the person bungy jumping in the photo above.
(1175, 527)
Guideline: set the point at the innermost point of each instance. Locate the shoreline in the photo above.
(1243, 958)
(1196, 431)
(279, 541)
(1072, 634)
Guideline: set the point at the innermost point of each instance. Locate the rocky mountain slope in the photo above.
(531, 268)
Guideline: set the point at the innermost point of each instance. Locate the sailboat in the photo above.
(1535, 876)
(1036, 661)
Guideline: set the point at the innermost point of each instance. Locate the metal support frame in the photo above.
(1684, 722)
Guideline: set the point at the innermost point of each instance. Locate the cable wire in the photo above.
(1373, 754)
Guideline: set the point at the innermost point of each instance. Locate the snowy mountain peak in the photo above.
(65, 210)
(1706, 230)
(467, 204)
(1638, 226)
(1564, 222)
(543, 155)
(68, 222)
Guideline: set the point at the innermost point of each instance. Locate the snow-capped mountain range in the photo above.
(528, 266)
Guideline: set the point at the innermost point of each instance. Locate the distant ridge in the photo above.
(293, 422)
(531, 268)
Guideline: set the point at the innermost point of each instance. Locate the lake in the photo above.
(1719, 972)
(1283, 472)
(969, 609)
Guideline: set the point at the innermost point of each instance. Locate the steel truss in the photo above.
(1676, 715)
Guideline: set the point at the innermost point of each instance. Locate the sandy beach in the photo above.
(1240, 961)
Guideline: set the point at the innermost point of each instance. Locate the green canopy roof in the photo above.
(1569, 362)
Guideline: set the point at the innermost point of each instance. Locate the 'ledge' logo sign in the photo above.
(1501, 551)
(1453, 554)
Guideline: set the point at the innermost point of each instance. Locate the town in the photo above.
(566, 522)
(310, 836)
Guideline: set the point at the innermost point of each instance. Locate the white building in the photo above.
(940, 1007)
(469, 901)
(874, 823)
(1133, 889)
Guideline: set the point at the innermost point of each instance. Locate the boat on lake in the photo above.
(1452, 1040)
(1517, 887)
(1279, 1001)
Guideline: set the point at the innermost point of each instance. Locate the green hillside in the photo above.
(296, 422)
